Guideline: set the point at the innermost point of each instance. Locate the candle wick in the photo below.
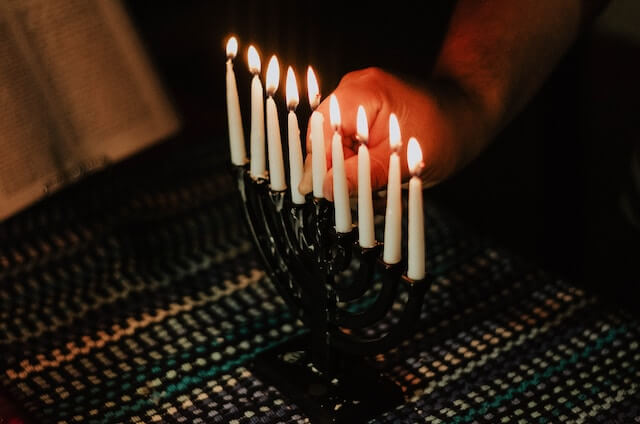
(418, 169)
(315, 103)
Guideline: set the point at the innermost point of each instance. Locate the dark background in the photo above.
(548, 188)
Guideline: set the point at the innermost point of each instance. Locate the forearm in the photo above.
(497, 54)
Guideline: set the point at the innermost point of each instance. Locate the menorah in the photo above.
(330, 273)
(304, 257)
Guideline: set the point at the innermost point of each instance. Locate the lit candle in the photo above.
(236, 135)
(316, 122)
(416, 249)
(276, 162)
(366, 235)
(295, 149)
(393, 214)
(340, 188)
(258, 162)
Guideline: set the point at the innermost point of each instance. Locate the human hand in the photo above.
(421, 113)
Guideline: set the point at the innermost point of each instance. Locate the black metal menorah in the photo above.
(324, 371)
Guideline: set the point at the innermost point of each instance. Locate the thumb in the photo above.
(378, 172)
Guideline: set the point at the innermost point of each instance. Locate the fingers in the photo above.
(306, 183)
(379, 161)
(366, 88)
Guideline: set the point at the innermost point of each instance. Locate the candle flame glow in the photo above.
(273, 75)
(292, 89)
(254, 60)
(362, 126)
(232, 48)
(395, 139)
(312, 89)
(334, 112)
(414, 156)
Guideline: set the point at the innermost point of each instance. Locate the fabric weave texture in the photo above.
(136, 297)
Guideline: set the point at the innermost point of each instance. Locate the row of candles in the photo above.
(277, 179)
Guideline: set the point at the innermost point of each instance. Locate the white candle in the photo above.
(236, 135)
(276, 161)
(340, 188)
(295, 148)
(366, 235)
(258, 162)
(393, 214)
(316, 122)
(416, 248)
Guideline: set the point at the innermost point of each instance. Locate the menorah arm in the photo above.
(278, 207)
(341, 251)
(356, 345)
(391, 274)
(362, 281)
(251, 192)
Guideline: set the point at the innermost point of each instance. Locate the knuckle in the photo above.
(365, 75)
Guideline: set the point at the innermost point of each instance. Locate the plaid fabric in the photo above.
(135, 296)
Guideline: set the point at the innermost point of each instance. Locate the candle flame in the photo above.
(232, 48)
(273, 75)
(362, 126)
(254, 60)
(292, 89)
(334, 112)
(312, 89)
(414, 156)
(395, 139)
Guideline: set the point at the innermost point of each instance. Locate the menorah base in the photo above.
(354, 394)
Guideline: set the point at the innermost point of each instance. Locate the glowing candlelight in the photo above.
(258, 162)
(295, 148)
(340, 188)
(316, 122)
(276, 161)
(366, 234)
(236, 135)
(393, 215)
(416, 246)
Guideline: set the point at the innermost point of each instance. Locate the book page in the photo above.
(27, 151)
(80, 93)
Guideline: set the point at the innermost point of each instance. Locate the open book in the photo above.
(76, 93)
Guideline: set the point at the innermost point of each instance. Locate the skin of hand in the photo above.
(419, 115)
(495, 56)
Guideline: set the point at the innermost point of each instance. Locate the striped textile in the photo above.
(136, 297)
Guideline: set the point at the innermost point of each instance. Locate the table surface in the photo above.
(145, 302)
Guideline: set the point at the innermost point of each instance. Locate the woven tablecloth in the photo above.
(136, 296)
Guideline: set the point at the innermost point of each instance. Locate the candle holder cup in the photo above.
(337, 289)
